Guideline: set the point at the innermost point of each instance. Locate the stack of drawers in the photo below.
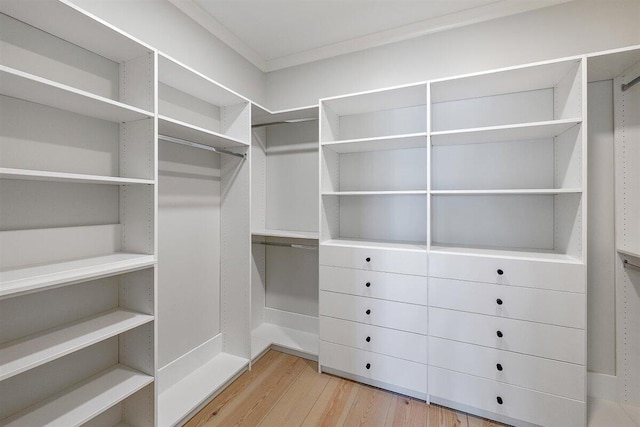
(507, 338)
(373, 316)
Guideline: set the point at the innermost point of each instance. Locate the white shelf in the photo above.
(526, 254)
(374, 193)
(268, 334)
(27, 353)
(178, 129)
(189, 393)
(378, 100)
(629, 252)
(29, 279)
(37, 175)
(382, 143)
(68, 22)
(534, 191)
(83, 401)
(377, 244)
(517, 132)
(260, 115)
(312, 235)
(18, 84)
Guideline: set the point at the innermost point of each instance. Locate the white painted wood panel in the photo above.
(410, 261)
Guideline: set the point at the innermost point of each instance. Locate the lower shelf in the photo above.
(185, 396)
(268, 334)
(84, 401)
(377, 244)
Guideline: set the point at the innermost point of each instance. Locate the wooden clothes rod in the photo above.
(628, 265)
(287, 245)
(200, 146)
(626, 86)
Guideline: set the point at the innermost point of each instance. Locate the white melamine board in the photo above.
(137, 82)
(36, 175)
(628, 252)
(288, 319)
(260, 116)
(258, 160)
(389, 123)
(177, 129)
(258, 284)
(313, 235)
(236, 121)
(569, 158)
(186, 79)
(184, 108)
(375, 193)
(85, 400)
(18, 84)
(268, 334)
(138, 150)
(511, 221)
(137, 218)
(509, 253)
(380, 143)
(135, 410)
(34, 350)
(507, 80)
(569, 231)
(394, 217)
(516, 132)
(39, 204)
(362, 243)
(178, 401)
(611, 64)
(70, 23)
(527, 191)
(189, 249)
(499, 111)
(30, 279)
(385, 99)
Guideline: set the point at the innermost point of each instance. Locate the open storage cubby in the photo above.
(284, 223)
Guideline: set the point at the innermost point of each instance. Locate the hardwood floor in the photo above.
(284, 390)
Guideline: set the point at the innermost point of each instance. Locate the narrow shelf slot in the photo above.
(29, 279)
(21, 85)
(38, 175)
(82, 402)
(268, 334)
(383, 143)
(34, 350)
(178, 129)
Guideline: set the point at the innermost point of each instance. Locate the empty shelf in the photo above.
(393, 142)
(24, 280)
(526, 254)
(313, 235)
(18, 84)
(177, 129)
(34, 350)
(268, 334)
(375, 193)
(377, 244)
(532, 191)
(629, 252)
(37, 175)
(83, 401)
(183, 397)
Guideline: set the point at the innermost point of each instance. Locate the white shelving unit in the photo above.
(204, 234)
(77, 234)
(284, 209)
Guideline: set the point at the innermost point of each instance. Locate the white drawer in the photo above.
(536, 339)
(404, 345)
(390, 260)
(553, 307)
(389, 314)
(532, 274)
(519, 403)
(545, 375)
(375, 284)
(377, 367)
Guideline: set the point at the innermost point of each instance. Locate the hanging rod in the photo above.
(282, 122)
(626, 86)
(627, 264)
(287, 245)
(200, 146)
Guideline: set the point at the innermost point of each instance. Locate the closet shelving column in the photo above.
(77, 219)
(507, 286)
(373, 235)
(204, 239)
(284, 224)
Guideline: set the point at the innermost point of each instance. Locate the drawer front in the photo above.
(522, 404)
(390, 260)
(389, 314)
(532, 274)
(375, 284)
(398, 372)
(539, 374)
(553, 307)
(404, 345)
(553, 342)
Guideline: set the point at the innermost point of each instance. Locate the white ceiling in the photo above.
(275, 34)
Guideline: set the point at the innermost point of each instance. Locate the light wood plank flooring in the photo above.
(284, 390)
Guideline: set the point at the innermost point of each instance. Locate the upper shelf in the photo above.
(261, 116)
(18, 84)
(377, 244)
(375, 193)
(394, 142)
(37, 175)
(312, 235)
(520, 191)
(378, 100)
(178, 129)
(611, 64)
(68, 22)
(517, 132)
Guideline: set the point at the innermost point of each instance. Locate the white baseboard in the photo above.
(602, 386)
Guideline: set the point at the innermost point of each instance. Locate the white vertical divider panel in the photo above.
(568, 93)
(137, 82)
(258, 222)
(429, 168)
(235, 224)
(154, 389)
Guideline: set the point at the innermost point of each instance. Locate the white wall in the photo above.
(164, 27)
(572, 28)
